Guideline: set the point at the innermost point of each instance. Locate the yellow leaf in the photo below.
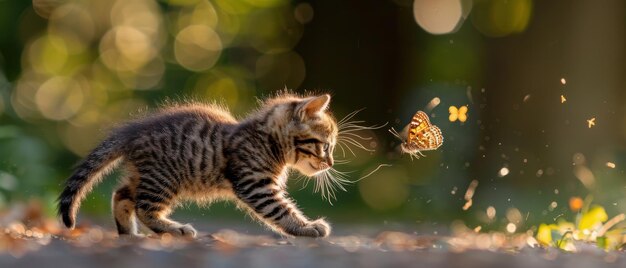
(544, 234)
(593, 218)
(565, 226)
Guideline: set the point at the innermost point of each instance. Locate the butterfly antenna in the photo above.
(395, 133)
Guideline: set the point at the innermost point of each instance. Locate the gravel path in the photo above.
(227, 248)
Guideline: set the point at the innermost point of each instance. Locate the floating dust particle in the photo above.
(563, 81)
(477, 229)
(471, 189)
(578, 159)
(591, 122)
(610, 164)
(491, 212)
(503, 172)
(432, 104)
(563, 99)
(553, 205)
(511, 227)
(468, 204)
(526, 98)
(454, 189)
(468, 92)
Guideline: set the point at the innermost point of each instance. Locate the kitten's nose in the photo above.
(329, 161)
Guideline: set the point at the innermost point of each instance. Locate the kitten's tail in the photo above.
(89, 172)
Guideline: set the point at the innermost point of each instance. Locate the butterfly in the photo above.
(421, 135)
(458, 113)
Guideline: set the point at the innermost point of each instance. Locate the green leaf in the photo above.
(601, 242)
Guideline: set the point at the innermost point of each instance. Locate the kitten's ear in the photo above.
(315, 105)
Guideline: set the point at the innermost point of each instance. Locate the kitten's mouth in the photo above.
(312, 166)
(318, 168)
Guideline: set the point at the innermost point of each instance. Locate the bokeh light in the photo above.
(74, 22)
(59, 98)
(385, 190)
(501, 18)
(304, 13)
(201, 13)
(225, 85)
(47, 54)
(197, 47)
(438, 16)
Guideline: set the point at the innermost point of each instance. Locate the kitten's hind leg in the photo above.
(124, 210)
(153, 206)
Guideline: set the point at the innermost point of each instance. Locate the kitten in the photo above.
(202, 153)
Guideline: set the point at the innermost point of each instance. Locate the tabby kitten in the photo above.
(202, 153)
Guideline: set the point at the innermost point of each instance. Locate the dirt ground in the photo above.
(28, 238)
(95, 247)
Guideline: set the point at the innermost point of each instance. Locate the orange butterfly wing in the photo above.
(419, 123)
(423, 134)
(430, 139)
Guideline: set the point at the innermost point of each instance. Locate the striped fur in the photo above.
(202, 153)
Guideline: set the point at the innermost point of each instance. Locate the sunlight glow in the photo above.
(438, 16)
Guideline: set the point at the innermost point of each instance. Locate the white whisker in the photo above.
(373, 171)
(349, 116)
(347, 147)
(343, 174)
(353, 126)
(305, 184)
(339, 178)
(337, 183)
(355, 143)
(343, 151)
(358, 136)
(342, 161)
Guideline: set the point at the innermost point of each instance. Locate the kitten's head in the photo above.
(314, 133)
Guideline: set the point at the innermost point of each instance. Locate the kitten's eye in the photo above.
(326, 146)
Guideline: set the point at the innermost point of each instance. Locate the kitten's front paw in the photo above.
(184, 231)
(322, 227)
(316, 228)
